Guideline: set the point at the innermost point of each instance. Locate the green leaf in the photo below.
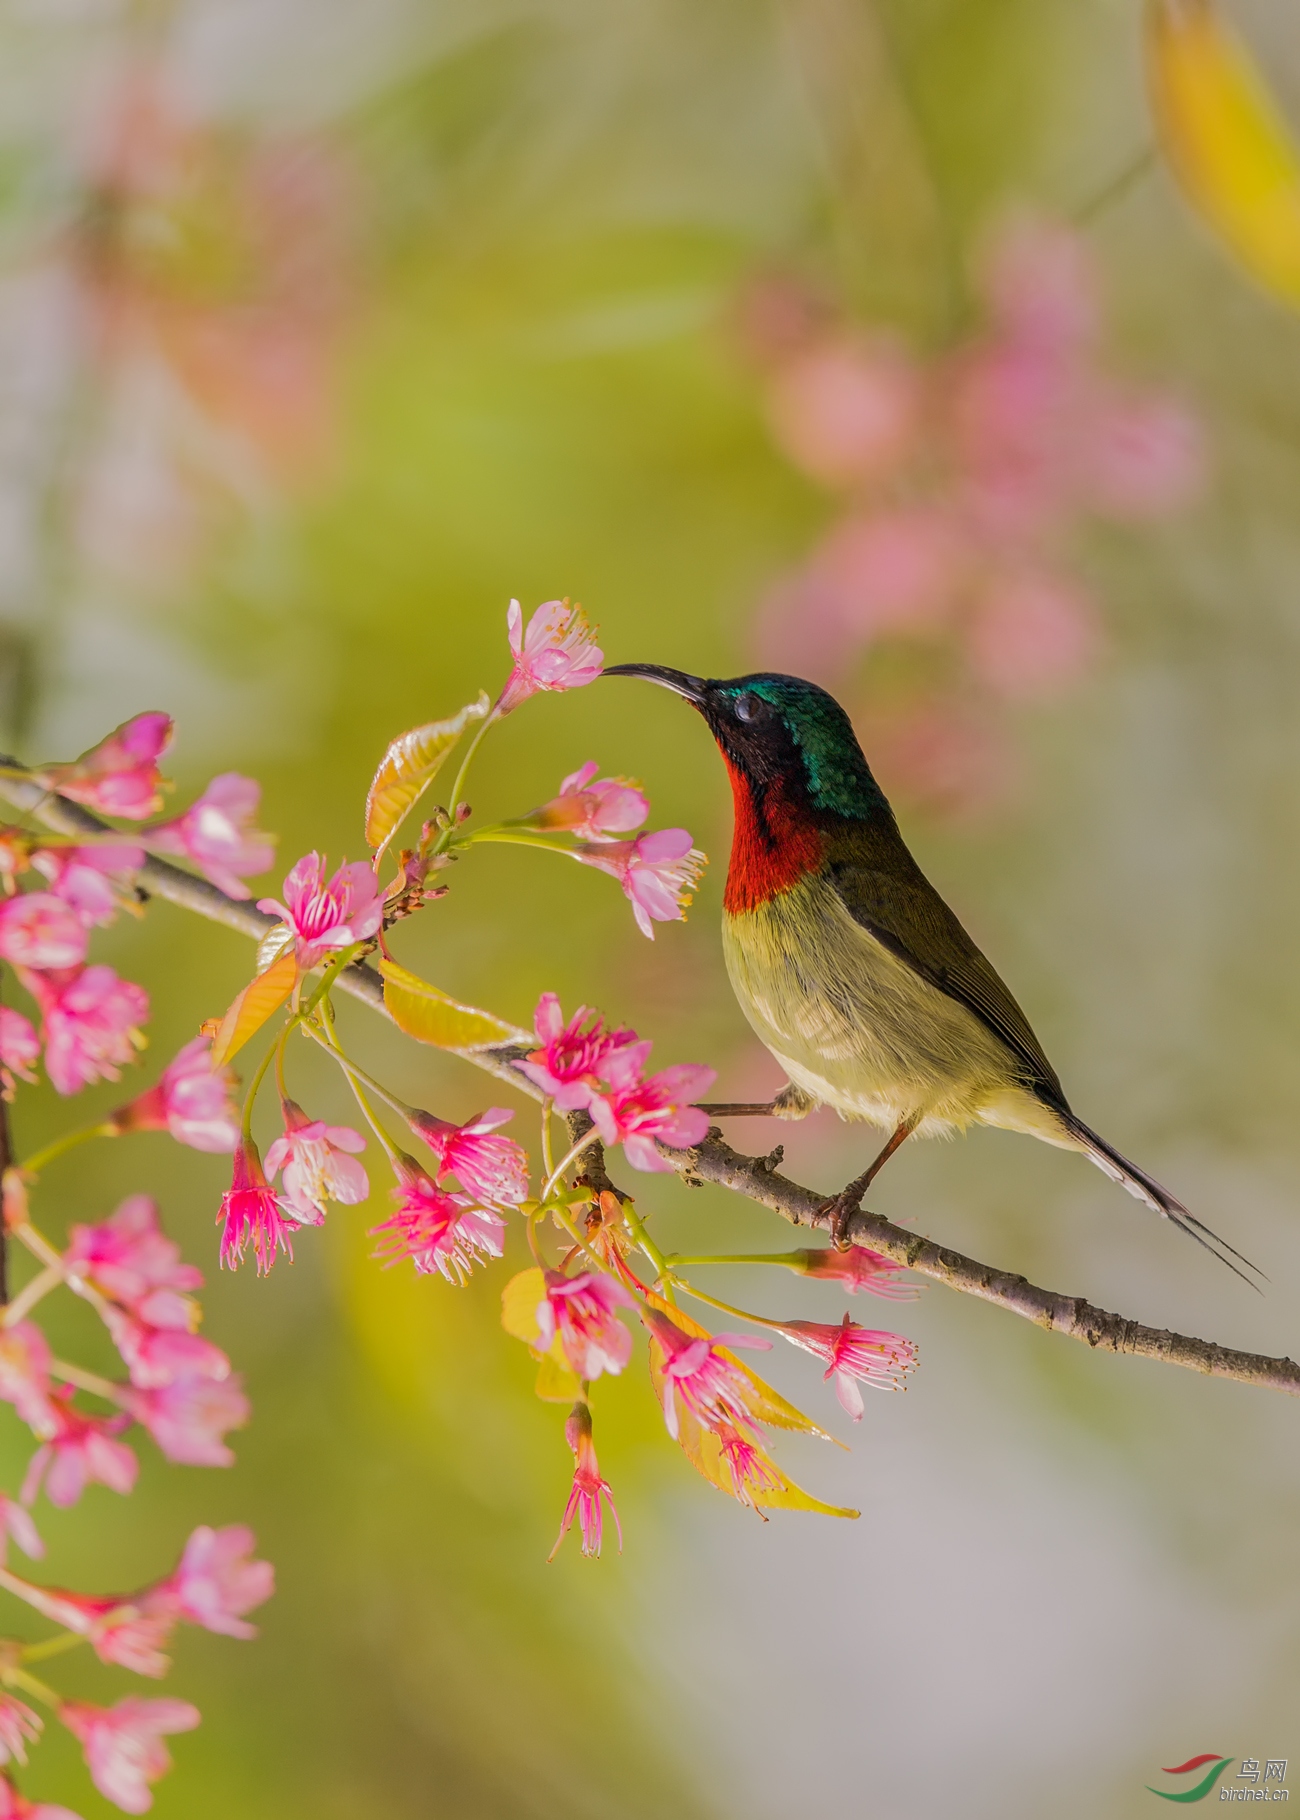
(408, 768)
(259, 1000)
(431, 1016)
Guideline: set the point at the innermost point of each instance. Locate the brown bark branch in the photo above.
(714, 1160)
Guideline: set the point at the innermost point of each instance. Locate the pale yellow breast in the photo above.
(856, 1027)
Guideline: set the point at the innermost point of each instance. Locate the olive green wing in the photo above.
(886, 893)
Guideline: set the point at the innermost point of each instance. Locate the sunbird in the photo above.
(850, 966)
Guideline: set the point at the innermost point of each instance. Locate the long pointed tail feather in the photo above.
(1145, 1188)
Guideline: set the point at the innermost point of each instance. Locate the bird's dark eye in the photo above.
(746, 707)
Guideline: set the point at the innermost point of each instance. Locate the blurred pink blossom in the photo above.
(19, 1727)
(1147, 458)
(40, 930)
(14, 1806)
(844, 409)
(594, 809)
(216, 834)
(20, 1047)
(155, 1356)
(319, 1164)
(588, 1488)
(191, 1101)
(558, 650)
(83, 1450)
(855, 1355)
(123, 1747)
(128, 1258)
(91, 1026)
(84, 877)
(658, 873)
(188, 1417)
(321, 916)
(215, 1582)
(120, 775)
(16, 1525)
(581, 1309)
(1032, 636)
(25, 1376)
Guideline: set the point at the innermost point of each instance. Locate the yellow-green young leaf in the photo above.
(520, 1300)
(260, 998)
(432, 1017)
(556, 1382)
(1226, 140)
(408, 768)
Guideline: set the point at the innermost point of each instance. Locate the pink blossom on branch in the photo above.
(14, 1806)
(16, 1525)
(119, 776)
(83, 1450)
(155, 1356)
(557, 651)
(657, 1110)
(855, 1355)
(695, 1370)
(319, 1164)
(19, 1727)
(130, 1259)
(592, 808)
(320, 916)
(91, 1025)
(90, 879)
(491, 1168)
(193, 1103)
(857, 1268)
(188, 1418)
(123, 1747)
(215, 1582)
(588, 1488)
(437, 1230)
(658, 873)
(216, 834)
(581, 1310)
(574, 1062)
(251, 1213)
(25, 1376)
(39, 930)
(20, 1047)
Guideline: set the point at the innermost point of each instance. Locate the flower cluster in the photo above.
(961, 484)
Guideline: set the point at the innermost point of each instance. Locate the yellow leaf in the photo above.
(520, 1300)
(408, 768)
(259, 999)
(432, 1017)
(556, 1382)
(1226, 140)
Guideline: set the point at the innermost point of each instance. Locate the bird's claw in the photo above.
(841, 1209)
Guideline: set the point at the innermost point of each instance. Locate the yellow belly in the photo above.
(857, 1029)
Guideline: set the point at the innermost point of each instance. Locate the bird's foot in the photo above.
(841, 1209)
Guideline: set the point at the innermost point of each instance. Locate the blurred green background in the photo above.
(326, 331)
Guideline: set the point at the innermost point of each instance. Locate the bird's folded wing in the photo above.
(889, 896)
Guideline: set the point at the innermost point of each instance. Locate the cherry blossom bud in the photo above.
(214, 832)
(119, 776)
(588, 1488)
(557, 651)
(319, 1164)
(658, 873)
(191, 1102)
(320, 917)
(39, 930)
(251, 1212)
(123, 1747)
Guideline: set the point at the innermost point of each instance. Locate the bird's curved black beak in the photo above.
(691, 688)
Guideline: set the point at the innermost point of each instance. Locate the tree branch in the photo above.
(714, 1160)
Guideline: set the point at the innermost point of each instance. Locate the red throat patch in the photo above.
(771, 849)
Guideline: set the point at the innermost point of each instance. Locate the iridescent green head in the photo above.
(779, 727)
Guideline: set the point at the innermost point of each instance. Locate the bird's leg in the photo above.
(791, 1103)
(846, 1203)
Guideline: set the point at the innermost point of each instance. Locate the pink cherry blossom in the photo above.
(83, 1450)
(25, 1375)
(711, 1387)
(1032, 636)
(251, 1213)
(19, 1726)
(491, 1168)
(91, 1025)
(854, 1354)
(856, 1268)
(128, 1258)
(657, 1109)
(436, 1230)
(16, 1525)
(119, 776)
(319, 1164)
(557, 651)
(84, 877)
(753, 1474)
(321, 916)
(843, 410)
(188, 1417)
(155, 1356)
(215, 1582)
(215, 833)
(20, 1047)
(572, 1062)
(37, 929)
(588, 1488)
(658, 873)
(191, 1101)
(581, 1310)
(14, 1806)
(123, 1747)
(1147, 458)
(594, 809)
(119, 1631)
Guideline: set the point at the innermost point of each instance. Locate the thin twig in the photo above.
(714, 1161)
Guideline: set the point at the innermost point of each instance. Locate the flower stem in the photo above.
(26, 1299)
(88, 1380)
(330, 1044)
(587, 1139)
(760, 1320)
(52, 1646)
(62, 1145)
(18, 1677)
(548, 1162)
(734, 1257)
(489, 720)
(663, 1273)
